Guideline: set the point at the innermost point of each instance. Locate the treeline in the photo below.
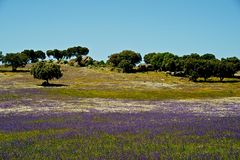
(193, 66)
(20, 59)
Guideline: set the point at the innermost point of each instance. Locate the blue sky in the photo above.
(110, 26)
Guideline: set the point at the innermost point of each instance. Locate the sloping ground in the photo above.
(102, 83)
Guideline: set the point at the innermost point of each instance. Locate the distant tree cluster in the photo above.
(125, 60)
(34, 56)
(194, 66)
(20, 59)
(77, 52)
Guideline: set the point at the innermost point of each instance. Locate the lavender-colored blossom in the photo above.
(95, 118)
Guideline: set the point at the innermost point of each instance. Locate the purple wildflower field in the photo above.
(118, 129)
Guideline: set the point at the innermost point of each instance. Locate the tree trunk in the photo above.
(205, 79)
(45, 83)
(14, 69)
(221, 79)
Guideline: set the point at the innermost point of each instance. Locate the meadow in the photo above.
(95, 113)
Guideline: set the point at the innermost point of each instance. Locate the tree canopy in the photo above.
(15, 60)
(55, 54)
(194, 65)
(77, 52)
(126, 60)
(208, 56)
(46, 71)
(1, 56)
(34, 55)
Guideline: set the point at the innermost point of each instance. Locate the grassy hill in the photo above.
(103, 83)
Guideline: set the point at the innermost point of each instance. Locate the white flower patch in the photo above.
(209, 107)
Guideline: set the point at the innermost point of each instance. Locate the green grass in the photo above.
(49, 120)
(160, 94)
(46, 145)
(8, 96)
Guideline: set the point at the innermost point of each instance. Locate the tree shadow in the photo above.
(10, 71)
(53, 85)
(212, 81)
